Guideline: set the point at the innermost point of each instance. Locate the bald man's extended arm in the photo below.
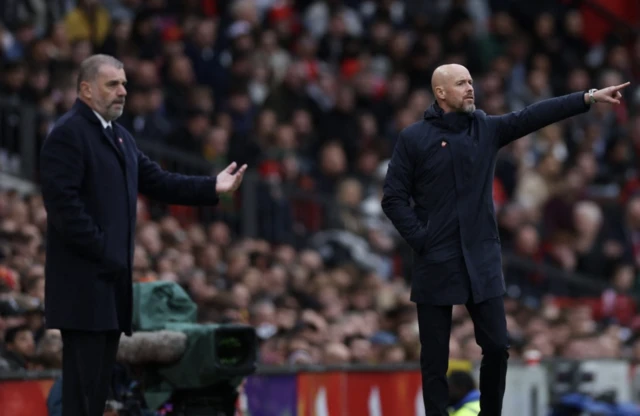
(512, 126)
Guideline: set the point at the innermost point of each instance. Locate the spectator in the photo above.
(19, 347)
(464, 395)
(89, 20)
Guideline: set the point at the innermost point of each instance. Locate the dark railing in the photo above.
(282, 213)
(175, 160)
(576, 283)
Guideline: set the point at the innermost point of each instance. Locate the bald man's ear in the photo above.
(440, 93)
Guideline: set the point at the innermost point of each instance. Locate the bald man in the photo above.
(445, 164)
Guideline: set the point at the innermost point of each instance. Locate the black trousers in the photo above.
(88, 359)
(490, 327)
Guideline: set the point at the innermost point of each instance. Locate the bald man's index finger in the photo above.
(621, 86)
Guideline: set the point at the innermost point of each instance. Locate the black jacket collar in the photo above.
(82, 108)
(453, 121)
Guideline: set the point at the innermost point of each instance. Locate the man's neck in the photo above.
(103, 120)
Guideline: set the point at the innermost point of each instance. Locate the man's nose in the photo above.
(122, 91)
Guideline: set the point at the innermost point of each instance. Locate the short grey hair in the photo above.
(90, 67)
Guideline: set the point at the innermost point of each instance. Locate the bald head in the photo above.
(452, 87)
(442, 74)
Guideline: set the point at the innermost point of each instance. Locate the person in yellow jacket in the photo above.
(88, 21)
(464, 396)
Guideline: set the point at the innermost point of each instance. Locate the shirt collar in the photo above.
(104, 122)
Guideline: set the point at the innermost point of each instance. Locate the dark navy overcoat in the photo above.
(90, 184)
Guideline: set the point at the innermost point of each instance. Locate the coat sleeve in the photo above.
(397, 195)
(536, 116)
(173, 188)
(61, 172)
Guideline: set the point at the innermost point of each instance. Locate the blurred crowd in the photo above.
(312, 94)
(304, 310)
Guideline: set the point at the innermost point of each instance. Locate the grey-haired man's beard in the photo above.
(114, 112)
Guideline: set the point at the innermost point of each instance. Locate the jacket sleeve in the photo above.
(61, 172)
(536, 116)
(397, 189)
(173, 188)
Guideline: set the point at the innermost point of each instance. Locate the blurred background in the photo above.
(312, 94)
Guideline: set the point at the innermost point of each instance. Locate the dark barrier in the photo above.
(369, 390)
(273, 391)
(25, 393)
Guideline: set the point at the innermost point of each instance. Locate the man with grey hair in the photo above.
(91, 175)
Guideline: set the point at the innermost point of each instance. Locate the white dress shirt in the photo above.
(104, 122)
